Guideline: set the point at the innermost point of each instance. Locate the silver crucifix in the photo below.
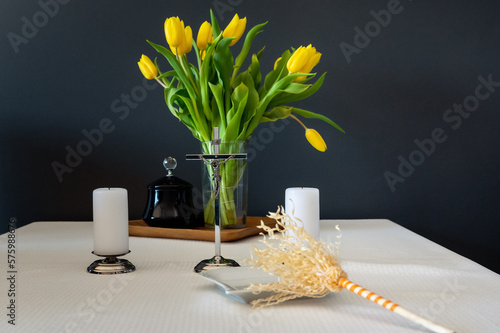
(215, 161)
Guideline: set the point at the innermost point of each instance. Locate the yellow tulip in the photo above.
(303, 60)
(315, 139)
(235, 29)
(174, 32)
(312, 136)
(187, 43)
(147, 68)
(205, 36)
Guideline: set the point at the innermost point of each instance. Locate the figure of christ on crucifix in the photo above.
(215, 164)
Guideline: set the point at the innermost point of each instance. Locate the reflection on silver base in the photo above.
(215, 262)
(111, 265)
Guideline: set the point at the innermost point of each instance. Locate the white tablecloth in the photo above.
(54, 292)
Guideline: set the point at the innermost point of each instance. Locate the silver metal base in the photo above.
(215, 262)
(111, 265)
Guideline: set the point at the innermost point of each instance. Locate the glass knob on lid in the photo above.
(170, 164)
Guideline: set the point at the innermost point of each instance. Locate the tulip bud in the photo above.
(235, 29)
(187, 43)
(315, 139)
(205, 36)
(148, 69)
(311, 62)
(303, 60)
(174, 32)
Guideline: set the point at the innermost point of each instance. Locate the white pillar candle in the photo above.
(302, 203)
(110, 207)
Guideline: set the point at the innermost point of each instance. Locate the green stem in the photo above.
(189, 75)
(231, 173)
(160, 82)
(291, 115)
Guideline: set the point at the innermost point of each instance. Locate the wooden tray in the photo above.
(139, 228)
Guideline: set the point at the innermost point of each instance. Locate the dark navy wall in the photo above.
(415, 84)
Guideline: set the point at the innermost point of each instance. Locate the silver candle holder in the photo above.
(110, 222)
(111, 264)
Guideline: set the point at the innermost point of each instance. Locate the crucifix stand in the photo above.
(215, 160)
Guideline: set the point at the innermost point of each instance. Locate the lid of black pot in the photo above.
(169, 181)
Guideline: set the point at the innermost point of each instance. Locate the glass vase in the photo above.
(233, 187)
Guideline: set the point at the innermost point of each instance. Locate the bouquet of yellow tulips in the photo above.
(215, 91)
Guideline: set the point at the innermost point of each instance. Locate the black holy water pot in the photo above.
(170, 202)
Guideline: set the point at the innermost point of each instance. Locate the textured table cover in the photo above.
(54, 293)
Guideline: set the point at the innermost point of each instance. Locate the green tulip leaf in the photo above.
(259, 54)
(215, 25)
(288, 98)
(177, 67)
(246, 47)
(215, 115)
(296, 88)
(279, 112)
(170, 99)
(253, 98)
(167, 74)
(161, 76)
(267, 98)
(223, 61)
(187, 104)
(309, 114)
(186, 120)
(239, 95)
(194, 71)
(277, 73)
(239, 99)
(219, 102)
(206, 75)
(254, 71)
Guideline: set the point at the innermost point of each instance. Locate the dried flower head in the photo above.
(305, 266)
